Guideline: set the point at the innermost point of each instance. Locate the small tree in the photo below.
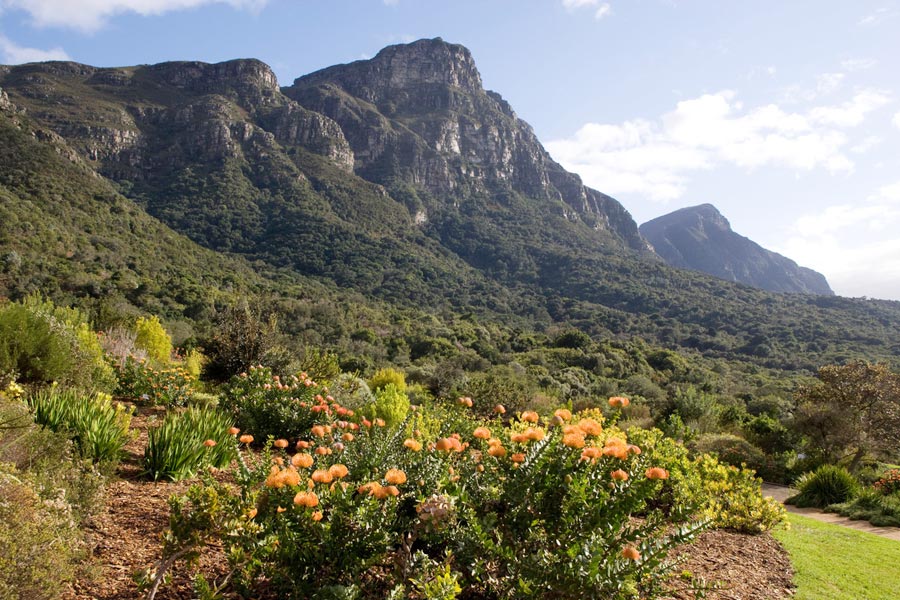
(853, 410)
(242, 337)
(153, 338)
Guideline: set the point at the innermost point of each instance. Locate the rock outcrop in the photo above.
(701, 239)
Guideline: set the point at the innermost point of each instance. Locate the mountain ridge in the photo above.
(701, 238)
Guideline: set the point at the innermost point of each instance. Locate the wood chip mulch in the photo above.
(126, 538)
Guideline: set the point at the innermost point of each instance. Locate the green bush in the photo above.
(264, 405)
(41, 543)
(388, 376)
(558, 513)
(188, 441)
(873, 506)
(391, 404)
(99, 429)
(730, 449)
(144, 382)
(44, 344)
(829, 484)
(153, 338)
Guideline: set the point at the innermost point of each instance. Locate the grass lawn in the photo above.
(836, 563)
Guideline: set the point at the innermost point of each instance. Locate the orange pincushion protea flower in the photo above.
(631, 553)
(338, 471)
(414, 445)
(209, 443)
(389, 490)
(322, 451)
(573, 440)
(370, 488)
(499, 409)
(322, 476)
(518, 457)
(530, 416)
(234, 430)
(449, 444)
(619, 475)
(347, 437)
(563, 413)
(619, 402)
(246, 439)
(395, 476)
(278, 478)
(497, 451)
(307, 499)
(590, 427)
(280, 443)
(317, 516)
(591, 453)
(302, 460)
(656, 473)
(482, 433)
(318, 430)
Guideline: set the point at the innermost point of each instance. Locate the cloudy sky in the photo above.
(783, 114)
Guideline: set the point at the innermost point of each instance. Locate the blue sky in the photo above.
(784, 114)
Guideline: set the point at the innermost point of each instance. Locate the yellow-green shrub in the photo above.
(384, 377)
(152, 337)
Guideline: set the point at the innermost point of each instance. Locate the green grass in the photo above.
(837, 563)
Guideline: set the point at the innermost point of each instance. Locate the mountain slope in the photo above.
(701, 239)
(401, 180)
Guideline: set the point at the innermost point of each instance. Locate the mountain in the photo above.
(397, 180)
(701, 239)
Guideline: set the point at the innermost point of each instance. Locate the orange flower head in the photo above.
(619, 475)
(634, 449)
(338, 471)
(656, 473)
(209, 443)
(497, 451)
(318, 430)
(379, 422)
(395, 476)
(252, 513)
(246, 439)
(619, 402)
(322, 476)
(389, 490)
(307, 499)
(518, 457)
(302, 445)
(499, 409)
(530, 416)
(590, 427)
(234, 430)
(347, 437)
(370, 488)
(281, 444)
(518, 438)
(482, 433)
(449, 444)
(631, 553)
(465, 401)
(317, 516)
(563, 413)
(322, 450)
(573, 440)
(534, 434)
(590, 453)
(414, 445)
(302, 460)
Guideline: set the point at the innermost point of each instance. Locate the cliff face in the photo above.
(701, 239)
(418, 113)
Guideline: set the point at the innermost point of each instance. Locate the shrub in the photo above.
(180, 446)
(41, 544)
(826, 485)
(391, 404)
(264, 404)
(44, 343)
(366, 512)
(889, 483)
(99, 429)
(153, 338)
(166, 386)
(872, 506)
(385, 377)
(730, 449)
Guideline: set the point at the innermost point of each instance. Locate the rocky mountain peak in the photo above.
(252, 80)
(700, 238)
(403, 66)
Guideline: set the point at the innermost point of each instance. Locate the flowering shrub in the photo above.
(268, 405)
(889, 483)
(440, 505)
(167, 386)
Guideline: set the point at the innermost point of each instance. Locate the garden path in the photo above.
(782, 493)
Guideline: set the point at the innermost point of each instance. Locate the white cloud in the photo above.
(91, 15)
(858, 64)
(896, 120)
(866, 145)
(654, 158)
(13, 54)
(877, 16)
(852, 244)
(604, 10)
(576, 4)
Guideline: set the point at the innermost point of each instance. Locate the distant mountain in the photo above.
(701, 239)
(398, 179)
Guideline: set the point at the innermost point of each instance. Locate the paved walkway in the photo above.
(782, 493)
